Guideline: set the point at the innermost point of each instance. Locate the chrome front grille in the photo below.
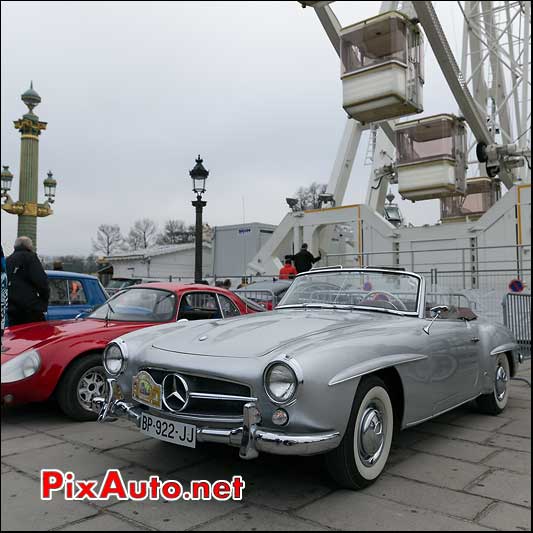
(203, 397)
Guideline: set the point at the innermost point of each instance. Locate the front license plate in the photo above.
(168, 430)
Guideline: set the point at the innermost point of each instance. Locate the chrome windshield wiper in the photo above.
(107, 315)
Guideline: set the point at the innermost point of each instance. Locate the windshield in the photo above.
(393, 291)
(139, 305)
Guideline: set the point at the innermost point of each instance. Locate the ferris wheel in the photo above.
(447, 156)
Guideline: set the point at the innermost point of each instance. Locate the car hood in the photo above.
(19, 339)
(259, 334)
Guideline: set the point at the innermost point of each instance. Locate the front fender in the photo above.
(373, 365)
(496, 339)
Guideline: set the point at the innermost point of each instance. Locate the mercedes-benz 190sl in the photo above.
(348, 357)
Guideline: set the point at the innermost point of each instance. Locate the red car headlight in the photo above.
(21, 367)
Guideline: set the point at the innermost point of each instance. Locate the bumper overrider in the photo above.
(250, 438)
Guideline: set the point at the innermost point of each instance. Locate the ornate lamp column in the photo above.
(199, 175)
(27, 207)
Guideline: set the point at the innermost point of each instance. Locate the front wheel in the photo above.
(495, 402)
(364, 450)
(84, 379)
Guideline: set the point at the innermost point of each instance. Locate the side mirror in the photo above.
(437, 311)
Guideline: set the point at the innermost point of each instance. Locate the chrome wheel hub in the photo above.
(371, 436)
(500, 384)
(91, 384)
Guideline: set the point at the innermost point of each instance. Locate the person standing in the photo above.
(304, 259)
(4, 292)
(28, 289)
(287, 271)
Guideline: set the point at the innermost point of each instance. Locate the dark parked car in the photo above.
(117, 284)
(265, 293)
(72, 293)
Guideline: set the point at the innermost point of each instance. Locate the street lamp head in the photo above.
(31, 98)
(325, 198)
(292, 203)
(6, 178)
(50, 185)
(199, 174)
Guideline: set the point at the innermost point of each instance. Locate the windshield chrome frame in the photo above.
(421, 295)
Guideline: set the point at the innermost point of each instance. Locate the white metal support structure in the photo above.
(496, 64)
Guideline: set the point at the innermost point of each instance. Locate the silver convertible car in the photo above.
(348, 357)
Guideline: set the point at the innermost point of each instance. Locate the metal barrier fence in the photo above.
(481, 273)
(517, 317)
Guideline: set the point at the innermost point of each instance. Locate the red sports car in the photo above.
(63, 358)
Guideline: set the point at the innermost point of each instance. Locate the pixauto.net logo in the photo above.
(54, 482)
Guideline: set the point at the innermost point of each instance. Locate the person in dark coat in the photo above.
(304, 259)
(28, 289)
(4, 292)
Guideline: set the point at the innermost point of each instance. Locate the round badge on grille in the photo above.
(175, 392)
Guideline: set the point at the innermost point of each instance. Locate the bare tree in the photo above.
(142, 234)
(308, 197)
(108, 239)
(176, 232)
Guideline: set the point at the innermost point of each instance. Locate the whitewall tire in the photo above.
(364, 450)
(495, 402)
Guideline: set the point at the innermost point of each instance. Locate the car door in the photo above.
(454, 362)
(78, 297)
(58, 303)
(199, 305)
(229, 308)
(67, 299)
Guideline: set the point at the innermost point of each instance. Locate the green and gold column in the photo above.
(27, 207)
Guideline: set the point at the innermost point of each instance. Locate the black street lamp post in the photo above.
(198, 174)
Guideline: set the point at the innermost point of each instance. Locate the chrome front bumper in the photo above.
(250, 438)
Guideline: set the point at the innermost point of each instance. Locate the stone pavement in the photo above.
(462, 471)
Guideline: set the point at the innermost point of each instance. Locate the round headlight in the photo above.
(21, 367)
(281, 383)
(114, 359)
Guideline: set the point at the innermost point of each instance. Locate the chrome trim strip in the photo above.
(509, 347)
(204, 418)
(225, 397)
(196, 375)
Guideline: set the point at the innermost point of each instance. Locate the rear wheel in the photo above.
(83, 380)
(495, 402)
(364, 450)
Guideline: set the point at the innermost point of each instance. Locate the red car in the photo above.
(63, 358)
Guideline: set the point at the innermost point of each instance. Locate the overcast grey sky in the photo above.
(133, 91)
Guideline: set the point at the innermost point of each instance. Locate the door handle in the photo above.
(475, 339)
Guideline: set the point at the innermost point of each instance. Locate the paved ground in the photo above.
(462, 471)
